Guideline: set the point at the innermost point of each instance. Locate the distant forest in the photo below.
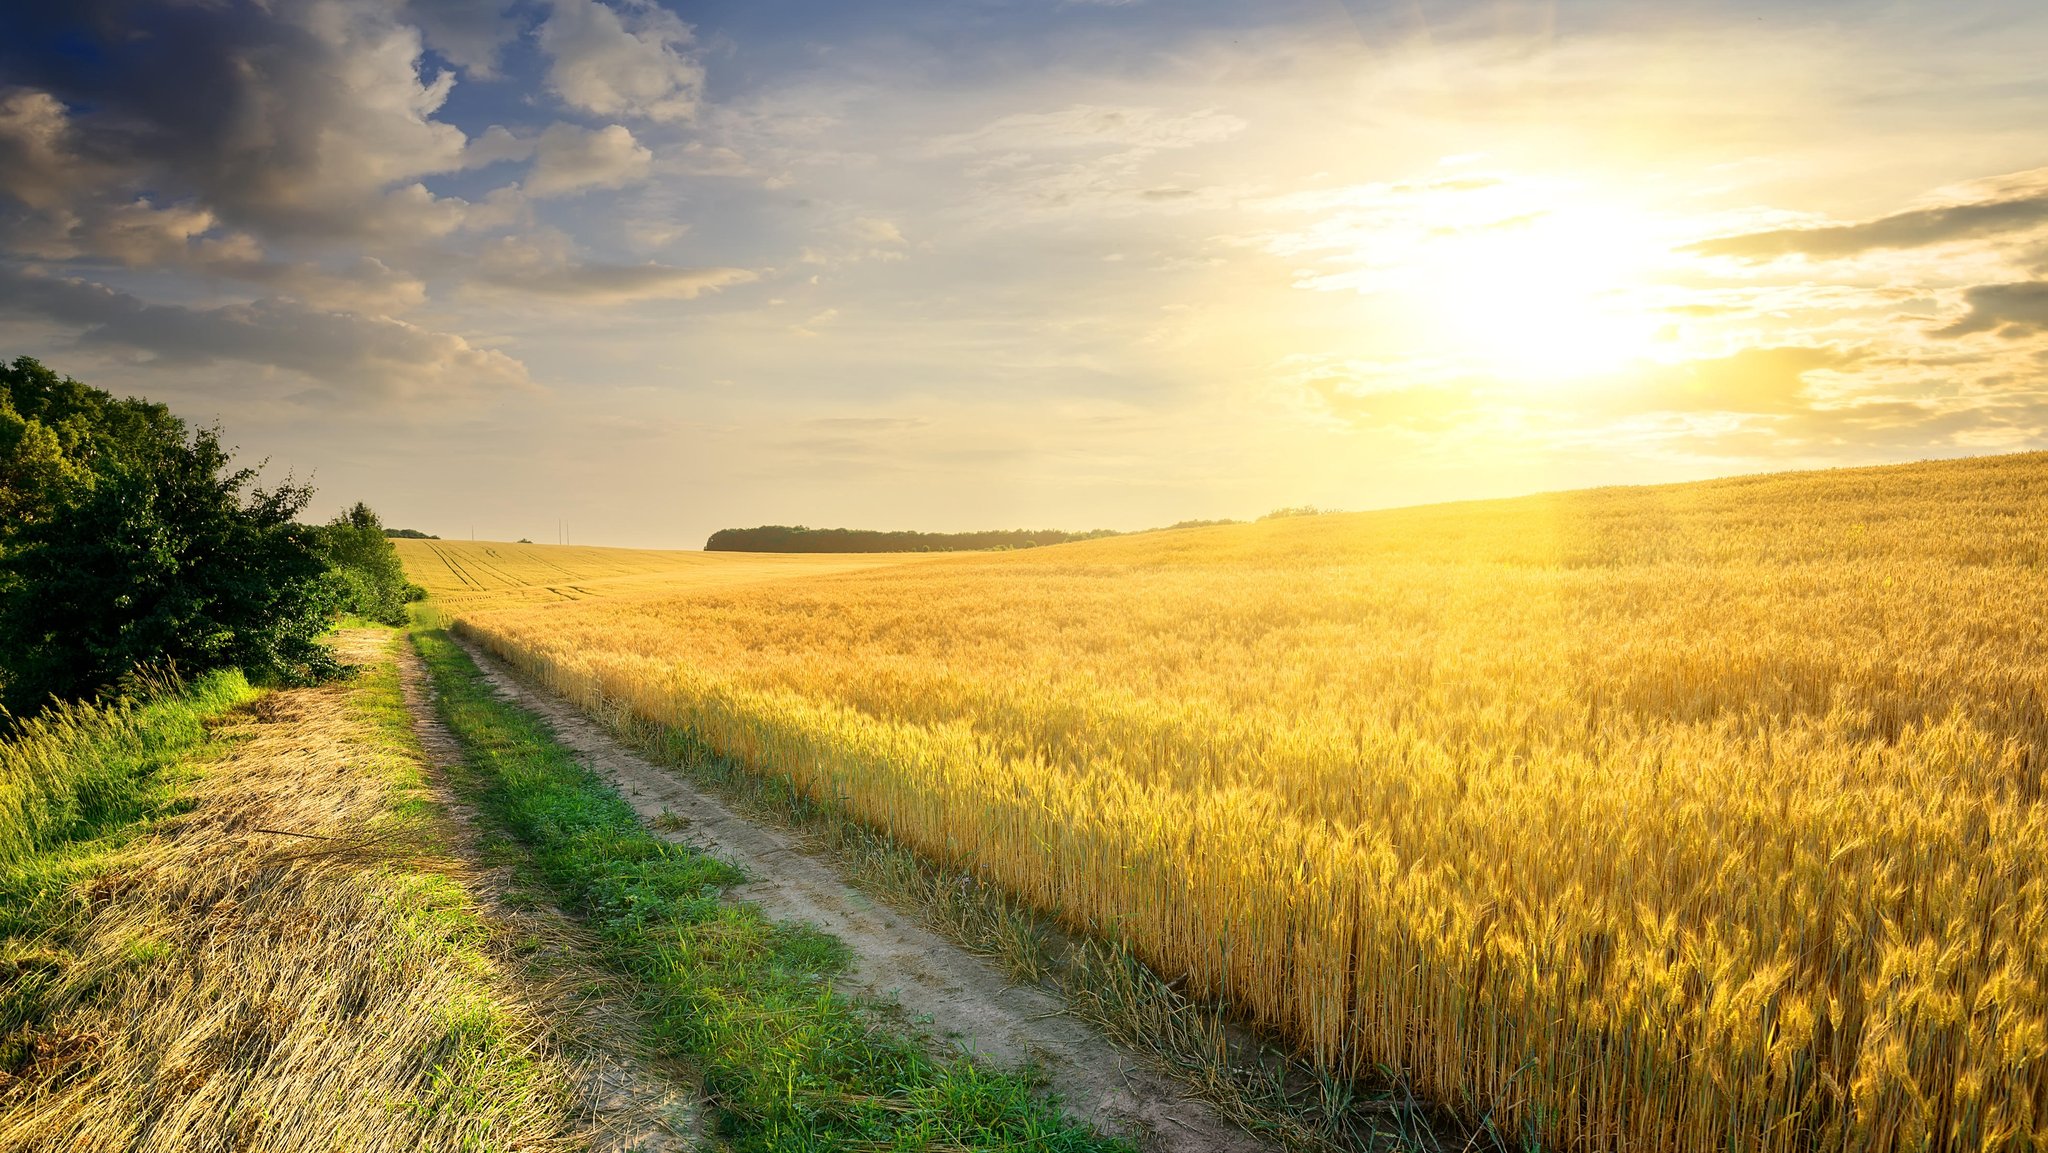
(787, 538)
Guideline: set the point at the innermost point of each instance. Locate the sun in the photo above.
(1544, 299)
(1522, 282)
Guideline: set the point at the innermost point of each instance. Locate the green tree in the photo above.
(129, 539)
(365, 573)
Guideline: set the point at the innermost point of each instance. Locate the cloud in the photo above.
(347, 351)
(630, 62)
(567, 159)
(873, 230)
(365, 285)
(2012, 310)
(1755, 380)
(1414, 394)
(469, 33)
(37, 164)
(134, 233)
(294, 120)
(542, 265)
(1918, 228)
(622, 283)
(1094, 156)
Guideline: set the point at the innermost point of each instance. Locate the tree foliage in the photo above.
(129, 539)
(364, 573)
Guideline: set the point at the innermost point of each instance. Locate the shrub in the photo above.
(365, 577)
(129, 539)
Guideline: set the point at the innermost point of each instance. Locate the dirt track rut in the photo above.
(968, 1003)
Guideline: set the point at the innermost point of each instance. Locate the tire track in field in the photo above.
(455, 566)
(967, 1002)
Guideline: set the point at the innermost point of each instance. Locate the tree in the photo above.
(129, 540)
(365, 574)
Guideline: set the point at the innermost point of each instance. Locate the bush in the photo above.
(126, 539)
(365, 577)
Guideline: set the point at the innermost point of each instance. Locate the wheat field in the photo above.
(1701, 817)
(463, 573)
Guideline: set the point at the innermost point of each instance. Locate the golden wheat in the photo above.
(1704, 817)
(460, 573)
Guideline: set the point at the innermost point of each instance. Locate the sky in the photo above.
(649, 270)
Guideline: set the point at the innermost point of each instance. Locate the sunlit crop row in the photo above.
(1694, 818)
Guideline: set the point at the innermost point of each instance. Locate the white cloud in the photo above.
(1093, 157)
(37, 166)
(568, 159)
(366, 285)
(619, 283)
(467, 32)
(872, 230)
(317, 123)
(543, 264)
(611, 62)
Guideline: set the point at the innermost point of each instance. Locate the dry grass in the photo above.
(290, 965)
(1696, 818)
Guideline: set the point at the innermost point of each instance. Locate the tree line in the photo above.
(130, 540)
(799, 538)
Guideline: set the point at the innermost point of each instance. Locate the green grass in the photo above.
(487, 1073)
(789, 1063)
(77, 779)
(77, 783)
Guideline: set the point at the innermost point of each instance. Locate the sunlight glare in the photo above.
(1527, 285)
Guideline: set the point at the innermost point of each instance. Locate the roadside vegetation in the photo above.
(130, 540)
(1669, 819)
(229, 920)
(787, 1062)
(227, 915)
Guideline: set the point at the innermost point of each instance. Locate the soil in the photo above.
(962, 1000)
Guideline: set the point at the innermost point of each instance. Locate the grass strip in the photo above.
(789, 1062)
(231, 927)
